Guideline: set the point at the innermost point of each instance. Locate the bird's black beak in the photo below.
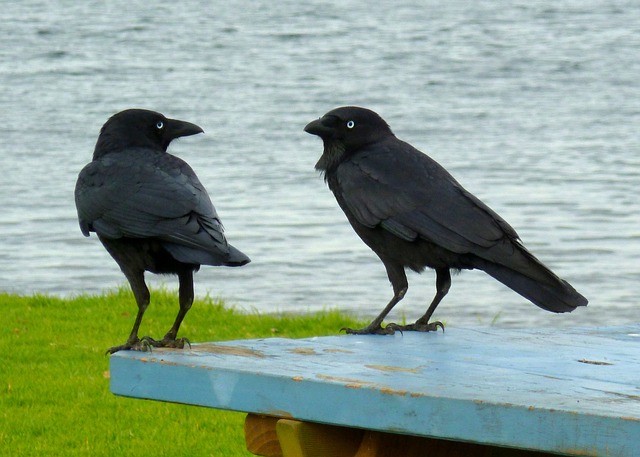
(320, 127)
(177, 128)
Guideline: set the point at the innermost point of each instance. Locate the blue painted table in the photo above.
(557, 391)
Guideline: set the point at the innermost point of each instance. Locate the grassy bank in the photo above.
(54, 376)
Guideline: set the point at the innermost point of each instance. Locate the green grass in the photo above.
(54, 376)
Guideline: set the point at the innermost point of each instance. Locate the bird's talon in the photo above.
(150, 342)
(141, 345)
(393, 327)
(166, 342)
(419, 327)
(177, 343)
(368, 331)
(144, 346)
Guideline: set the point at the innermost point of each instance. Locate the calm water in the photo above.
(533, 106)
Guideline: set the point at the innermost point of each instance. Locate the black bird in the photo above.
(150, 211)
(413, 214)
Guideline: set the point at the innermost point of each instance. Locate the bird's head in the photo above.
(141, 128)
(346, 130)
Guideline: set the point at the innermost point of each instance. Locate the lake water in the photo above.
(533, 105)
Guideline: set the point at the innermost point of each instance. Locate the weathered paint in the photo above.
(530, 389)
(303, 351)
(392, 368)
(213, 348)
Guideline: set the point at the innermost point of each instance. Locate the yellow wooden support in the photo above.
(260, 435)
(276, 437)
(306, 439)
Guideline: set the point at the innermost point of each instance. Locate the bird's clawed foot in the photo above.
(167, 342)
(418, 326)
(369, 330)
(146, 343)
(131, 345)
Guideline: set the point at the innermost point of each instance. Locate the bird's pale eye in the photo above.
(159, 125)
(350, 124)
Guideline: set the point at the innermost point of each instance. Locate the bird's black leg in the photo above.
(400, 285)
(186, 300)
(443, 283)
(142, 296)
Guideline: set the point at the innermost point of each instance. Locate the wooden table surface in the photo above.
(564, 391)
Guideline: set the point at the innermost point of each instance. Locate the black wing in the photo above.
(143, 193)
(394, 185)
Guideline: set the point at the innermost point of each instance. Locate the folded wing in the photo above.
(147, 194)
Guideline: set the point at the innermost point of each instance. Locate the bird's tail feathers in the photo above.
(231, 258)
(236, 258)
(534, 281)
